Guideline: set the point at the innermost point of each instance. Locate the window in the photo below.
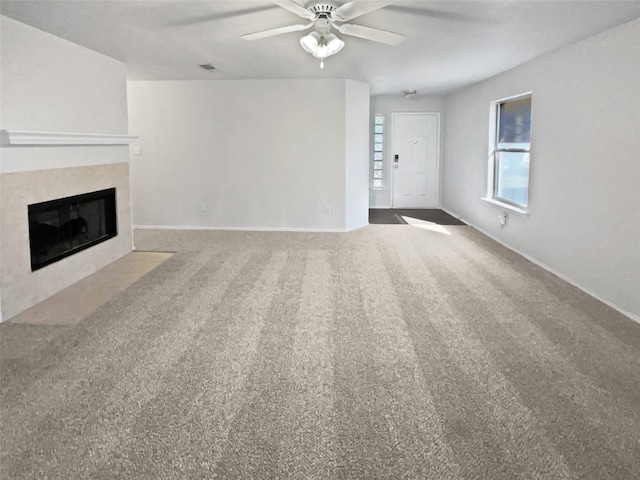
(510, 151)
(378, 149)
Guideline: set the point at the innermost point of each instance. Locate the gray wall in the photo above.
(584, 215)
(260, 154)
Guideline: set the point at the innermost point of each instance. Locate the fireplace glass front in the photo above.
(62, 227)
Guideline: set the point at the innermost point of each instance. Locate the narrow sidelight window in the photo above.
(378, 148)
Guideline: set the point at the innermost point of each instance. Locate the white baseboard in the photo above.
(630, 315)
(244, 229)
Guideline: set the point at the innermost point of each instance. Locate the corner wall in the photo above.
(356, 155)
(51, 85)
(584, 220)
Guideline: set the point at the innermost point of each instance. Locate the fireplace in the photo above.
(62, 227)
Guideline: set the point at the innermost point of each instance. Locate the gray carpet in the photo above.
(388, 352)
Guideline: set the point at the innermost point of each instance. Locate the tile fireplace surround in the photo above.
(21, 288)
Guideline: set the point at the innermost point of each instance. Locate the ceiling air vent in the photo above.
(207, 66)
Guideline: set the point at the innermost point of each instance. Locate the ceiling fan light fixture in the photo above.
(310, 42)
(334, 44)
(322, 51)
(321, 46)
(325, 15)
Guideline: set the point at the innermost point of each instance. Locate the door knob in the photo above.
(396, 158)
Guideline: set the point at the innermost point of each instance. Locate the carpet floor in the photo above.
(390, 352)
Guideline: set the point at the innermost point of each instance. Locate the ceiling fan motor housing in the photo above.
(321, 7)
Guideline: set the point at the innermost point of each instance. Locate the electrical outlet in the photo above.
(203, 207)
(503, 219)
(327, 209)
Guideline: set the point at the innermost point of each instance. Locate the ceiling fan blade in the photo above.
(356, 8)
(295, 8)
(189, 21)
(435, 13)
(275, 31)
(369, 33)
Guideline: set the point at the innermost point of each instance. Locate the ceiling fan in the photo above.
(325, 15)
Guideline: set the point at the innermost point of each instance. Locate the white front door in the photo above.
(414, 156)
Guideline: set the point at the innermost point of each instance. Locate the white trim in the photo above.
(506, 206)
(515, 97)
(248, 229)
(392, 149)
(13, 138)
(570, 281)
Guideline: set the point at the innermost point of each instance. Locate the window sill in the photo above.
(506, 206)
(378, 189)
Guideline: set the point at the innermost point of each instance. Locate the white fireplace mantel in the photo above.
(10, 138)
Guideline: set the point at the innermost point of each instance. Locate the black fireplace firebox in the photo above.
(62, 227)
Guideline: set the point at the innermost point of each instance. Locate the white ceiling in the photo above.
(449, 43)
